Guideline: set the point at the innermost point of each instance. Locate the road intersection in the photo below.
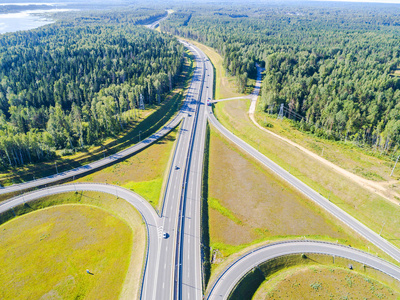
(173, 268)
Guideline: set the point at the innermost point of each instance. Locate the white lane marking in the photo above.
(160, 231)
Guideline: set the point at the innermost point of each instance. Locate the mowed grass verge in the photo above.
(323, 282)
(148, 122)
(248, 205)
(142, 173)
(55, 244)
(224, 86)
(367, 207)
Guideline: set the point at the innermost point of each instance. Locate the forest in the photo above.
(332, 66)
(73, 83)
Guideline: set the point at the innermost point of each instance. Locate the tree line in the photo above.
(69, 85)
(334, 65)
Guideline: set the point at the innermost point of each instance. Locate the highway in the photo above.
(166, 283)
(173, 267)
(156, 23)
(227, 280)
(190, 276)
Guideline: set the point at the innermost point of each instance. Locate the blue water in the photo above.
(20, 21)
(26, 19)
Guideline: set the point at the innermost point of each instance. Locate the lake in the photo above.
(25, 19)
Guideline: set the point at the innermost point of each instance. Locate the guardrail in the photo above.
(98, 164)
(181, 223)
(218, 279)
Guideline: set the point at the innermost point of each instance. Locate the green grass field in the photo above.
(45, 254)
(314, 276)
(142, 173)
(367, 207)
(111, 206)
(323, 282)
(248, 205)
(150, 120)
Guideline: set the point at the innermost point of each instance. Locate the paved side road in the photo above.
(310, 193)
(225, 283)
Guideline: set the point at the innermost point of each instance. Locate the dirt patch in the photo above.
(379, 188)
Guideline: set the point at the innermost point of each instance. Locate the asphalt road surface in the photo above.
(167, 279)
(225, 283)
(190, 275)
(156, 23)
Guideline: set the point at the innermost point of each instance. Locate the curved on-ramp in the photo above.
(152, 220)
(227, 280)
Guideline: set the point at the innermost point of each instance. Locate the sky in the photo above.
(19, 2)
(371, 1)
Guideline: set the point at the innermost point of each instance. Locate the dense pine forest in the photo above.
(71, 84)
(333, 66)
